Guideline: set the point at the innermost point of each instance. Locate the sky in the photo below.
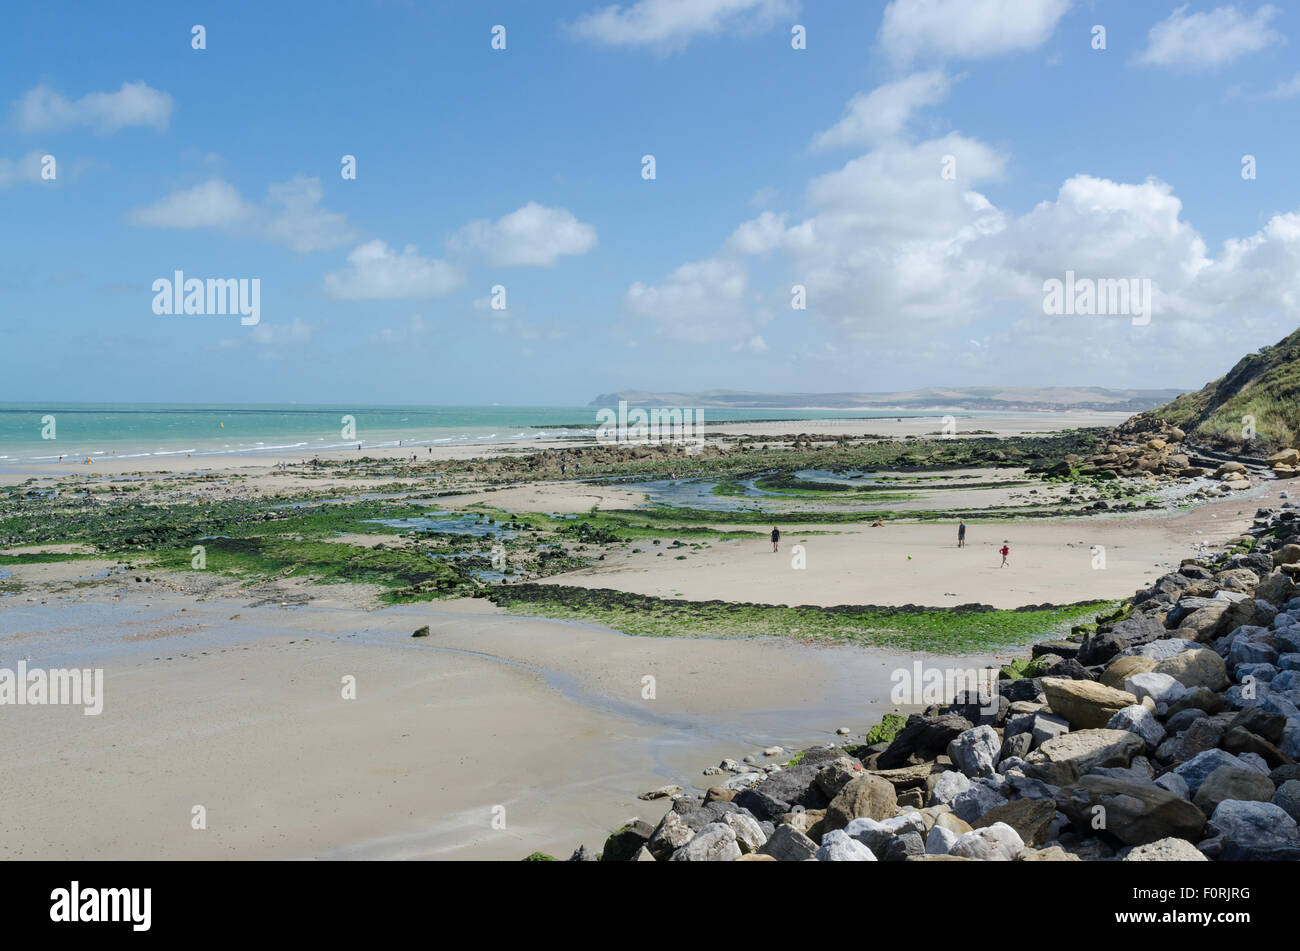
(846, 196)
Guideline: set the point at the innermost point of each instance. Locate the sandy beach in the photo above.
(496, 735)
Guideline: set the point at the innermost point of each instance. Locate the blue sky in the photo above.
(522, 168)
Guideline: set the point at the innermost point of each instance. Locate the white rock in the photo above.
(940, 840)
(1161, 688)
(749, 834)
(838, 846)
(996, 843)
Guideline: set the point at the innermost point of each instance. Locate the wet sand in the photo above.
(545, 720)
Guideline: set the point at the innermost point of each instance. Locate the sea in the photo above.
(44, 432)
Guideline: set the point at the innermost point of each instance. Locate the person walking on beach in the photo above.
(1004, 551)
(776, 538)
(961, 534)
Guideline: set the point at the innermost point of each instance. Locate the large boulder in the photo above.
(975, 751)
(716, 842)
(1085, 750)
(1196, 769)
(749, 834)
(623, 845)
(1196, 668)
(1161, 688)
(1138, 719)
(788, 844)
(1204, 623)
(1232, 782)
(1031, 818)
(1251, 832)
(1288, 798)
(1084, 703)
(1134, 813)
(996, 843)
(866, 795)
(1121, 668)
(671, 834)
(838, 846)
(922, 736)
(1165, 850)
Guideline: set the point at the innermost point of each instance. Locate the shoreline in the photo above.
(224, 682)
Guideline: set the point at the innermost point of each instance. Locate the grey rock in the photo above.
(1165, 850)
(997, 843)
(788, 844)
(671, 834)
(1287, 798)
(1174, 784)
(1196, 769)
(838, 847)
(975, 751)
(749, 834)
(716, 842)
(1251, 832)
(1138, 719)
(940, 840)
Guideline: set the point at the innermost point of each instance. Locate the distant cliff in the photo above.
(987, 398)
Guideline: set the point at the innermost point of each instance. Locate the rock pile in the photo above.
(1170, 733)
(1150, 450)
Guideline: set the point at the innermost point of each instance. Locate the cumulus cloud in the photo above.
(377, 272)
(669, 25)
(699, 302)
(1207, 40)
(41, 109)
(295, 219)
(968, 29)
(21, 170)
(291, 214)
(884, 112)
(1285, 89)
(532, 236)
(212, 204)
(897, 258)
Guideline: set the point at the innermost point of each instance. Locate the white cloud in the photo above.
(532, 236)
(41, 109)
(377, 272)
(212, 204)
(968, 29)
(700, 302)
(1206, 40)
(21, 170)
(1285, 89)
(272, 340)
(897, 259)
(884, 112)
(291, 214)
(669, 25)
(296, 220)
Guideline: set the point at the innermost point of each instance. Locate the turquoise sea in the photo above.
(32, 432)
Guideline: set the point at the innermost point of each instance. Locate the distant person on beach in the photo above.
(776, 538)
(961, 534)
(1004, 551)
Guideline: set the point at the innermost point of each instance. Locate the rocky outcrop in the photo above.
(1178, 741)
